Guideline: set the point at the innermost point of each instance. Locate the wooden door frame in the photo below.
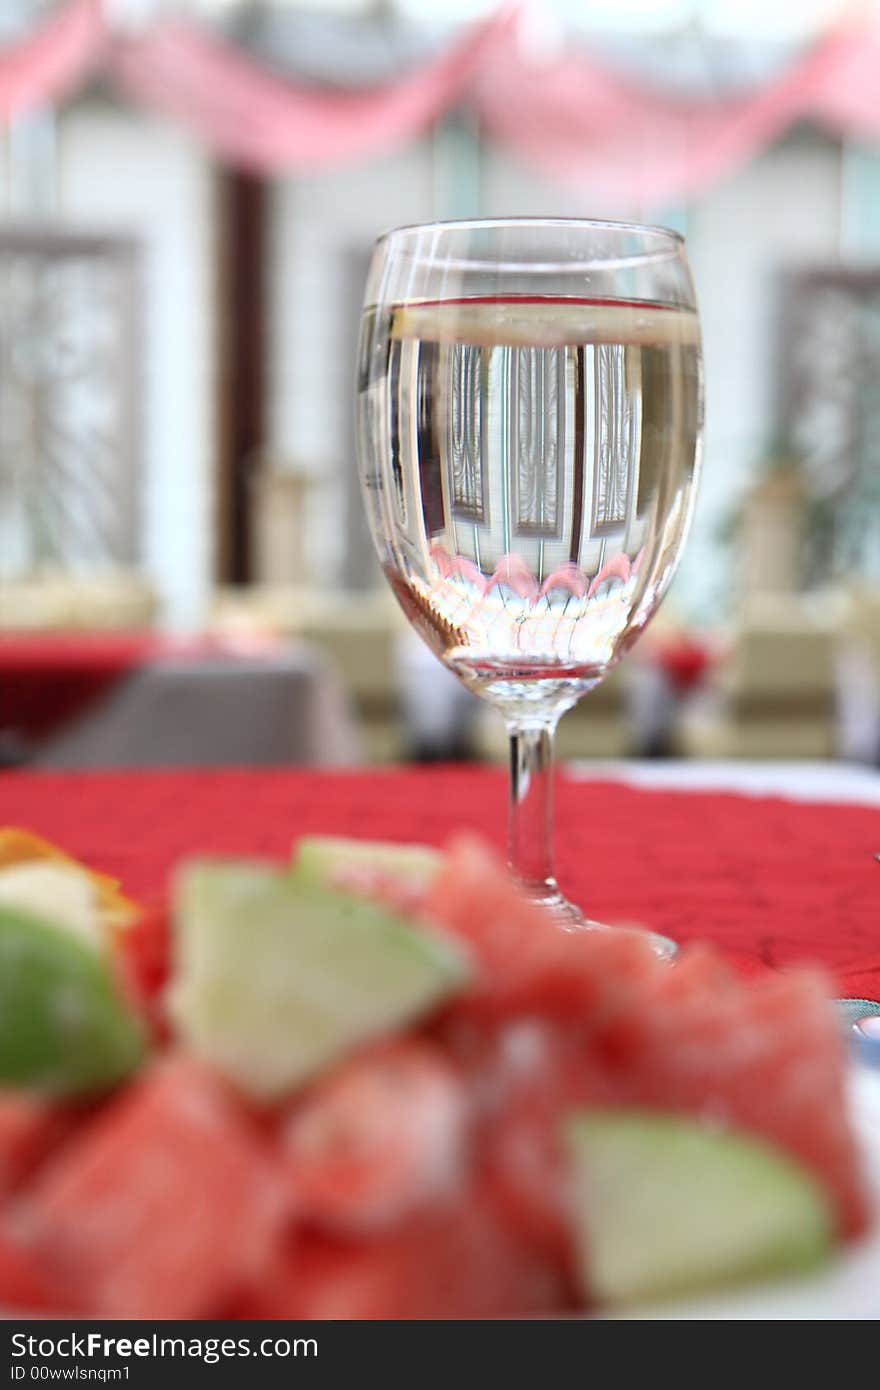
(243, 249)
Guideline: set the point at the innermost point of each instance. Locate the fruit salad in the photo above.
(378, 1082)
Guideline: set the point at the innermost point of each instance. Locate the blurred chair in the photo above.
(279, 523)
(775, 694)
(358, 636)
(863, 620)
(859, 675)
(60, 602)
(772, 530)
(355, 632)
(599, 726)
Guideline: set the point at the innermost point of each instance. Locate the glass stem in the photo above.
(530, 824)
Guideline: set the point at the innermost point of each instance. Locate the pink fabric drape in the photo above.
(594, 130)
(846, 96)
(264, 122)
(573, 118)
(46, 66)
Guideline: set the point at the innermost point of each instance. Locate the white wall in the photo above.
(780, 212)
(509, 188)
(123, 170)
(319, 224)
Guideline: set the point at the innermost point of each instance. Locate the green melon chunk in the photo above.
(64, 1026)
(665, 1205)
(276, 976)
(323, 855)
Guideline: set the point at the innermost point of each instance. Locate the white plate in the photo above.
(849, 1289)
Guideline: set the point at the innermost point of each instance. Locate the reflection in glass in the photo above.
(529, 455)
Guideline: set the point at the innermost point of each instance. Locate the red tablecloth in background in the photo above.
(46, 679)
(771, 881)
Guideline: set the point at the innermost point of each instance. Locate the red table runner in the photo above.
(771, 881)
(48, 678)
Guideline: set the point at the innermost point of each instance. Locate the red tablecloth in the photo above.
(47, 678)
(771, 881)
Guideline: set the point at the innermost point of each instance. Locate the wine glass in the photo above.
(529, 423)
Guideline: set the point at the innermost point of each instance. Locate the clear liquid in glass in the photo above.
(529, 466)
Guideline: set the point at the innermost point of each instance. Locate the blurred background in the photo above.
(189, 190)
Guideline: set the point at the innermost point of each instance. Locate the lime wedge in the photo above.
(64, 1025)
(278, 975)
(325, 856)
(665, 1205)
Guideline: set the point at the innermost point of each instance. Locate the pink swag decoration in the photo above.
(264, 122)
(53, 61)
(571, 117)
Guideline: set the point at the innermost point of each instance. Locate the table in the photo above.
(772, 881)
(140, 700)
(801, 779)
(49, 678)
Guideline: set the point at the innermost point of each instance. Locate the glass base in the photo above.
(572, 919)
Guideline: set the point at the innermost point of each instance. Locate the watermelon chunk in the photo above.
(21, 1287)
(143, 950)
(525, 1076)
(30, 1127)
(623, 1028)
(765, 1056)
(161, 1207)
(383, 1135)
(783, 1082)
(456, 1262)
(527, 962)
